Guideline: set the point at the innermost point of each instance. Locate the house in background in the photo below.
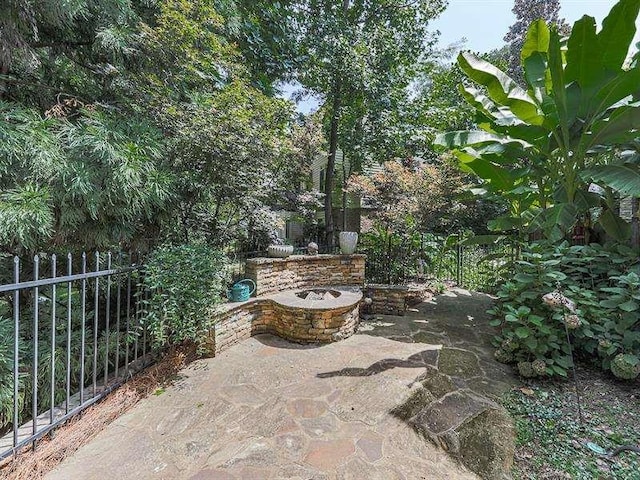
(347, 208)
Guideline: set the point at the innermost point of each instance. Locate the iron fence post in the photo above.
(69, 325)
(16, 349)
(34, 389)
(53, 340)
(83, 326)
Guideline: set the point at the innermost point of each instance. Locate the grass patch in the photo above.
(551, 442)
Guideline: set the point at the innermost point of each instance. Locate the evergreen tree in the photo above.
(526, 12)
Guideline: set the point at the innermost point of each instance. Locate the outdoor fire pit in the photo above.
(316, 314)
(318, 294)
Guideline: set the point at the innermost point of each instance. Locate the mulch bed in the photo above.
(64, 441)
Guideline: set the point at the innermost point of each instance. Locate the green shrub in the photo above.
(184, 281)
(602, 283)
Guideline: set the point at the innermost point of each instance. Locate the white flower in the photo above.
(557, 299)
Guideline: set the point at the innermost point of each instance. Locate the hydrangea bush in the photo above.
(593, 290)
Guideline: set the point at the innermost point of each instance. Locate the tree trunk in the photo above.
(333, 148)
(344, 194)
(331, 162)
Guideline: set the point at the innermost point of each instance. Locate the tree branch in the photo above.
(61, 43)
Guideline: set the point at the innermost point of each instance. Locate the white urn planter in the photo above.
(348, 242)
(279, 251)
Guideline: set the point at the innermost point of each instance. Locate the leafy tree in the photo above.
(541, 148)
(80, 169)
(527, 12)
(360, 58)
(265, 36)
(111, 105)
(72, 48)
(92, 183)
(231, 147)
(406, 199)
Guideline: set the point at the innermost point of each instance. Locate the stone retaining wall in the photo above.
(314, 327)
(235, 322)
(272, 311)
(394, 299)
(304, 271)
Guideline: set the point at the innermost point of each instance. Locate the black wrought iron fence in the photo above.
(476, 263)
(70, 332)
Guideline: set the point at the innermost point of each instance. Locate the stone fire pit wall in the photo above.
(305, 271)
(278, 311)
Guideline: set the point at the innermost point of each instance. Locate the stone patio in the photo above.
(356, 409)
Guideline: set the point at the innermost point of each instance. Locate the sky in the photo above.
(484, 23)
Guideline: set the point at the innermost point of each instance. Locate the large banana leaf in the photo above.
(474, 137)
(584, 59)
(535, 71)
(534, 59)
(614, 226)
(619, 127)
(499, 178)
(563, 111)
(537, 39)
(531, 134)
(487, 107)
(612, 88)
(502, 153)
(622, 178)
(500, 87)
(600, 60)
(618, 30)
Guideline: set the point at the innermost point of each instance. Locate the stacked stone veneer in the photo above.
(304, 271)
(394, 299)
(275, 312)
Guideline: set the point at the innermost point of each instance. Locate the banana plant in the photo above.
(542, 146)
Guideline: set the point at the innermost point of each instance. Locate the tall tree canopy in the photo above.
(360, 58)
(116, 115)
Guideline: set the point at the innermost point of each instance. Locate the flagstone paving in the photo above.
(356, 409)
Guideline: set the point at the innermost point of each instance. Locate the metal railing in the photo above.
(475, 265)
(75, 338)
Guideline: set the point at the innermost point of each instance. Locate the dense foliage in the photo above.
(542, 148)
(560, 152)
(92, 181)
(125, 123)
(184, 282)
(603, 284)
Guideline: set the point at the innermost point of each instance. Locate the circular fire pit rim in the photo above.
(349, 297)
